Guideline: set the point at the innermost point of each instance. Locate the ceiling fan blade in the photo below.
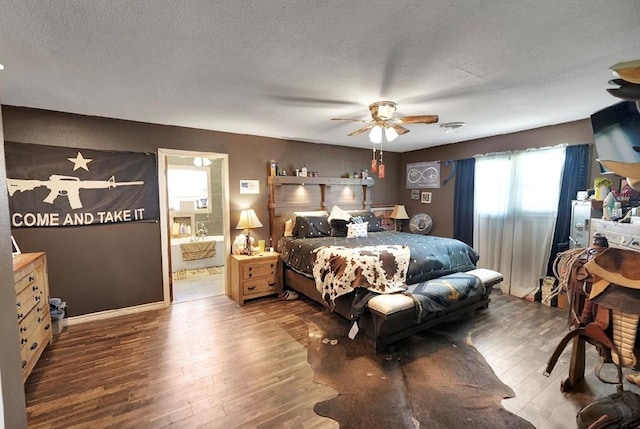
(352, 120)
(422, 119)
(361, 130)
(400, 129)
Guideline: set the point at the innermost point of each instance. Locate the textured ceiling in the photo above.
(285, 68)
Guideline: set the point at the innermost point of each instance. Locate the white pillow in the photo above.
(338, 213)
(288, 228)
(355, 230)
(312, 213)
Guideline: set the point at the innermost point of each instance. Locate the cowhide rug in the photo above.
(435, 379)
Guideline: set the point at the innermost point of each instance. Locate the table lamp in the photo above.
(398, 214)
(248, 220)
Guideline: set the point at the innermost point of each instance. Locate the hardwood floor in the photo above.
(212, 364)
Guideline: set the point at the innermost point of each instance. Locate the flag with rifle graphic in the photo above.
(62, 186)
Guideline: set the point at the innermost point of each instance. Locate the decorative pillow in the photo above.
(311, 226)
(288, 228)
(368, 216)
(355, 230)
(312, 213)
(338, 227)
(338, 213)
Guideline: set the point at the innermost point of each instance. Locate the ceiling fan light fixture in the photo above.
(390, 133)
(375, 135)
(382, 109)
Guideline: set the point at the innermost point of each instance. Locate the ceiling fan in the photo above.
(381, 114)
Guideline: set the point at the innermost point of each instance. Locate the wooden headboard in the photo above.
(289, 194)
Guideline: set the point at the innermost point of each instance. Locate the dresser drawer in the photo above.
(261, 269)
(25, 277)
(24, 302)
(260, 285)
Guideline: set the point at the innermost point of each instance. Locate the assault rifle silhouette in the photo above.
(65, 186)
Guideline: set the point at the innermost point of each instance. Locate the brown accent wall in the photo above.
(441, 207)
(97, 268)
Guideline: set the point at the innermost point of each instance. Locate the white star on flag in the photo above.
(80, 162)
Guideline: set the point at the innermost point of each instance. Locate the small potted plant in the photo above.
(602, 186)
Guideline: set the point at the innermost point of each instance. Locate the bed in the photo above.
(396, 284)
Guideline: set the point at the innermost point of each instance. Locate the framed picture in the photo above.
(249, 186)
(415, 194)
(425, 197)
(383, 213)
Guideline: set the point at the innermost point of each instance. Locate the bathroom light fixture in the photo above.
(248, 220)
(201, 162)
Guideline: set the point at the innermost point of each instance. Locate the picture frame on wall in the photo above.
(415, 194)
(425, 197)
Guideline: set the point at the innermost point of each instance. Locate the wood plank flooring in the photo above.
(211, 364)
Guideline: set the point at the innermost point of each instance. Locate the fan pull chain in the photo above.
(381, 166)
(374, 164)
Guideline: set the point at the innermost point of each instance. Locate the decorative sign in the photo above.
(249, 186)
(423, 175)
(59, 186)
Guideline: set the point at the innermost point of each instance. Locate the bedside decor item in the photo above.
(399, 213)
(248, 220)
(425, 197)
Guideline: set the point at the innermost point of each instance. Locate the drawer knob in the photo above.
(32, 278)
(18, 304)
(35, 288)
(24, 363)
(46, 328)
(34, 346)
(23, 341)
(23, 329)
(251, 287)
(272, 284)
(20, 316)
(250, 268)
(250, 275)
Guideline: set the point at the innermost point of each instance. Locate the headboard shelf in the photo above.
(288, 194)
(296, 180)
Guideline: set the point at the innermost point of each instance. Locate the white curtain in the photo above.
(515, 203)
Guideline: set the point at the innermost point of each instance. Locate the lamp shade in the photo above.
(390, 133)
(375, 135)
(248, 220)
(399, 212)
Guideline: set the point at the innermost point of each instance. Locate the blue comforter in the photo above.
(431, 256)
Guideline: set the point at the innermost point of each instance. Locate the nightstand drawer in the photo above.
(22, 280)
(264, 284)
(251, 271)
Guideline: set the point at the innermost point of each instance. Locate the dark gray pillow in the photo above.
(339, 227)
(311, 226)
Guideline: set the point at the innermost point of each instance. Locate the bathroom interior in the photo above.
(195, 198)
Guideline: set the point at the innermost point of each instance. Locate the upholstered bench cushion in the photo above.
(391, 303)
(486, 276)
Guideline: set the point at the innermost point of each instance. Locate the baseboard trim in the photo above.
(108, 314)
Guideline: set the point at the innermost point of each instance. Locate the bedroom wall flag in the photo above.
(51, 186)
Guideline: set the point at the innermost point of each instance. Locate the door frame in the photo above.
(163, 154)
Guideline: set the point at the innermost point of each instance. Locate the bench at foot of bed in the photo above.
(395, 316)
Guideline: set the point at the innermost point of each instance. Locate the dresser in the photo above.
(32, 306)
(255, 276)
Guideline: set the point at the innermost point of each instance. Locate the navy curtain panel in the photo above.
(574, 179)
(463, 200)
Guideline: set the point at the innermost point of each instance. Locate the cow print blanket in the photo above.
(337, 270)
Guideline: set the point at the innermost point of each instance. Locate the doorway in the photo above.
(194, 216)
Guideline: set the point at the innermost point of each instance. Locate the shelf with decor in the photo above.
(288, 194)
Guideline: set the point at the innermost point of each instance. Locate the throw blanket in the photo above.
(199, 250)
(337, 270)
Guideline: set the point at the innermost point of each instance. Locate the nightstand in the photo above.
(255, 276)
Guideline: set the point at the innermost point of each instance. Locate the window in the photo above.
(188, 184)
